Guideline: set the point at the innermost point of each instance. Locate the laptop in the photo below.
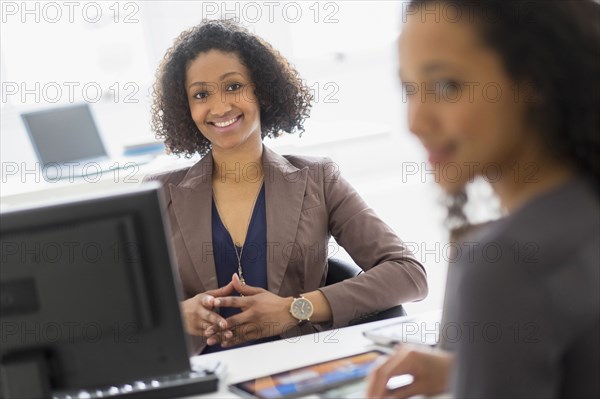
(422, 329)
(67, 143)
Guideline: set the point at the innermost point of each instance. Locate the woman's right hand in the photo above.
(199, 313)
(430, 370)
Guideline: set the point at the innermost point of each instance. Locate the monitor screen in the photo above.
(88, 294)
(65, 134)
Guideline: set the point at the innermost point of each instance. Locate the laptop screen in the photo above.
(64, 134)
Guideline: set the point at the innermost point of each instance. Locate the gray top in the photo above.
(522, 306)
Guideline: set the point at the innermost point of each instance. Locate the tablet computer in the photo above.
(311, 379)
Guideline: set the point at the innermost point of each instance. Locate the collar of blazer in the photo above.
(285, 186)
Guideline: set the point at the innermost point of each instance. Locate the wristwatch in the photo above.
(301, 309)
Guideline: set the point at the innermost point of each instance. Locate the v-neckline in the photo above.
(252, 217)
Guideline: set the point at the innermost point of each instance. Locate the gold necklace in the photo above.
(235, 245)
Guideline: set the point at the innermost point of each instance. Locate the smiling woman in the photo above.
(247, 68)
(250, 227)
(225, 124)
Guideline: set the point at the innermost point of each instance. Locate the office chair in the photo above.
(340, 270)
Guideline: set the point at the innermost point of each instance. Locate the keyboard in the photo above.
(197, 381)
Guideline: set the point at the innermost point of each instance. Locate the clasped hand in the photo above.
(263, 314)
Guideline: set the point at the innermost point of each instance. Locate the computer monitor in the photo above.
(64, 134)
(88, 295)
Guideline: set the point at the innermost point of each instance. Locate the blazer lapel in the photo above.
(192, 204)
(284, 192)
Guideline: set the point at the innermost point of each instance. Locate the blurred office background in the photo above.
(105, 54)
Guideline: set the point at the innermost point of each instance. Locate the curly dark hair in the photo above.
(284, 100)
(554, 46)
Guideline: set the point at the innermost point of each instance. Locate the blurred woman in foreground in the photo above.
(517, 102)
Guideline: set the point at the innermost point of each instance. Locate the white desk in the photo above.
(272, 357)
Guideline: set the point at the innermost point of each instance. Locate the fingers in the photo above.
(379, 377)
(223, 296)
(219, 336)
(199, 317)
(242, 334)
(212, 318)
(222, 331)
(223, 291)
(233, 302)
(407, 391)
(239, 319)
(207, 323)
(207, 301)
(240, 329)
(244, 289)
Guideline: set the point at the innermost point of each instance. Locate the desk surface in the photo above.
(272, 357)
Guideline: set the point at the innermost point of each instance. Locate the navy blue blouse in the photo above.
(254, 255)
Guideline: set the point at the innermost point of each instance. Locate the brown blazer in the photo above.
(307, 201)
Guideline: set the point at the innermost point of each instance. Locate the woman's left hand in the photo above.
(264, 314)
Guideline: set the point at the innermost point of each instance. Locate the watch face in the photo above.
(302, 309)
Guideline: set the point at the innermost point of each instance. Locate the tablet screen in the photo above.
(310, 379)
